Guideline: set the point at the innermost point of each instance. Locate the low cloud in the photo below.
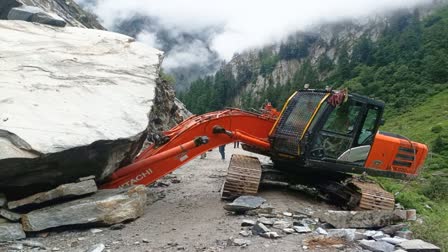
(231, 26)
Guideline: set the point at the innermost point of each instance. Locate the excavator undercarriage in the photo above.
(246, 174)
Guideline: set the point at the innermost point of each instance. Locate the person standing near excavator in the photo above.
(222, 150)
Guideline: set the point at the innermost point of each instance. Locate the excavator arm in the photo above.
(193, 137)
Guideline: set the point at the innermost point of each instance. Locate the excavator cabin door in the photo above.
(344, 133)
(310, 127)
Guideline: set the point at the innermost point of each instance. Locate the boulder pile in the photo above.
(335, 230)
(70, 204)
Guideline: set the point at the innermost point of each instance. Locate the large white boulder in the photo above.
(64, 89)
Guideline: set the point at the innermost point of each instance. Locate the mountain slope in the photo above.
(399, 58)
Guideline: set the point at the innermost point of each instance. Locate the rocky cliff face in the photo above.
(68, 10)
(323, 44)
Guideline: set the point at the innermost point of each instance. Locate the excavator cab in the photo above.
(337, 131)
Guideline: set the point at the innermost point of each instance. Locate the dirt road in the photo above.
(190, 217)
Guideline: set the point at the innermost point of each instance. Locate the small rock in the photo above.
(244, 203)
(97, 248)
(136, 243)
(266, 221)
(117, 226)
(11, 231)
(55, 249)
(360, 236)
(145, 240)
(175, 181)
(358, 219)
(411, 215)
(305, 247)
(259, 228)
(16, 246)
(307, 222)
(390, 230)
(33, 244)
(321, 231)
(81, 238)
(241, 242)
(372, 233)
(326, 225)
(376, 246)
(66, 190)
(263, 209)
(418, 245)
(288, 230)
(400, 214)
(74, 244)
(338, 246)
(2, 200)
(96, 230)
(346, 234)
(299, 216)
(379, 235)
(3, 220)
(91, 177)
(302, 229)
(287, 214)
(10, 215)
(268, 215)
(404, 234)
(393, 240)
(247, 223)
(271, 235)
(281, 224)
(244, 233)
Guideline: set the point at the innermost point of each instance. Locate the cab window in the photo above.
(338, 131)
(343, 118)
(369, 127)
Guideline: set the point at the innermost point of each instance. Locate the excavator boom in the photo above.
(193, 137)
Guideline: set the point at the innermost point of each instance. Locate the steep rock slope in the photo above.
(68, 10)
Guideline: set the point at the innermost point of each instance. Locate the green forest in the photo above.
(407, 67)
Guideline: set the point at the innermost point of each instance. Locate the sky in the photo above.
(240, 24)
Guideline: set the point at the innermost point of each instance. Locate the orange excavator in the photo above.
(320, 137)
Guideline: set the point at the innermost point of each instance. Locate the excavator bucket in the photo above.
(243, 177)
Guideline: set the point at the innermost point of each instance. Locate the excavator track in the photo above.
(243, 177)
(373, 197)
